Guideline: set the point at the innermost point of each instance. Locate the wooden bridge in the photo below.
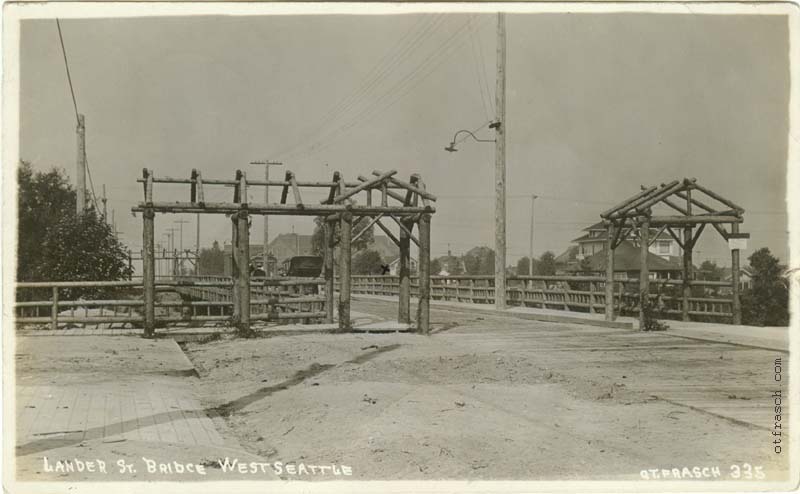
(202, 300)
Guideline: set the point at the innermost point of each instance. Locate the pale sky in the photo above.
(598, 104)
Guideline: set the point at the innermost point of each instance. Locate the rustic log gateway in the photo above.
(635, 216)
(405, 203)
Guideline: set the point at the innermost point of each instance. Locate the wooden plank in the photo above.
(295, 191)
(692, 220)
(719, 198)
(408, 186)
(659, 196)
(144, 413)
(285, 191)
(620, 213)
(388, 233)
(365, 185)
(405, 229)
(645, 191)
(286, 209)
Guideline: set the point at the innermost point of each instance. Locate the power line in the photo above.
(66, 65)
(403, 87)
(75, 107)
(477, 69)
(388, 63)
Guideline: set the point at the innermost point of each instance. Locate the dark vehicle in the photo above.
(303, 267)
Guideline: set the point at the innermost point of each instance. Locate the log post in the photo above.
(330, 235)
(591, 297)
(235, 287)
(688, 245)
(644, 273)
(243, 248)
(148, 273)
(345, 261)
(404, 296)
(737, 303)
(54, 313)
(424, 270)
(610, 272)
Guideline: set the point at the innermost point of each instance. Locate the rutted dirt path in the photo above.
(493, 398)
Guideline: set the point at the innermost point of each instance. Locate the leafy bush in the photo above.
(766, 302)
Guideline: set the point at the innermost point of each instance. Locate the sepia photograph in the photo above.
(465, 247)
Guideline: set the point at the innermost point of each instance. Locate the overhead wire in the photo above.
(77, 113)
(386, 65)
(400, 89)
(478, 71)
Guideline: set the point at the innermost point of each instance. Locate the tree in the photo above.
(367, 262)
(436, 267)
(55, 244)
(212, 261)
(585, 265)
(479, 261)
(523, 266)
(43, 198)
(546, 265)
(364, 241)
(766, 302)
(710, 271)
(451, 264)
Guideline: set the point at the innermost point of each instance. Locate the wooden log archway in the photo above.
(636, 214)
(399, 200)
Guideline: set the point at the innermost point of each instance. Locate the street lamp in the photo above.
(500, 208)
(452, 147)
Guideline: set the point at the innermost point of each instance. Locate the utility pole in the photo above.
(105, 211)
(197, 248)
(530, 257)
(81, 172)
(181, 223)
(173, 259)
(113, 223)
(500, 169)
(180, 262)
(265, 252)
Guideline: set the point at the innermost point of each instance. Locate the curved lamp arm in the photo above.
(452, 147)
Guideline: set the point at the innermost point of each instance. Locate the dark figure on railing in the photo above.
(385, 269)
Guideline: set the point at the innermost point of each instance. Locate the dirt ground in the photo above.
(494, 398)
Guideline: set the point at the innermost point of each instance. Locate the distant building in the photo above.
(288, 245)
(450, 264)
(588, 256)
(394, 266)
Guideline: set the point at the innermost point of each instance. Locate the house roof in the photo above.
(287, 245)
(627, 257)
(568, 255)
(597, 226)
(597, 238)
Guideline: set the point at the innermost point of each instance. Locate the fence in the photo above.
(570, 293)
(201, 300)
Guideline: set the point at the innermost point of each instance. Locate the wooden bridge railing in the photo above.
(570, 293)
(204, 299)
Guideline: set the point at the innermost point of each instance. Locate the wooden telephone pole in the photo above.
(500, 169)
(81, 166)
(181, 222)
(265, 249)
(530, 250)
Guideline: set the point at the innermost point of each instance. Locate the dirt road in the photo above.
(496, 398)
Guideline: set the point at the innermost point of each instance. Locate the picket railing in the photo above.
(204, 299)
(570, 293)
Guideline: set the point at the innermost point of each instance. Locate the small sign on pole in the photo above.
(737, 243)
